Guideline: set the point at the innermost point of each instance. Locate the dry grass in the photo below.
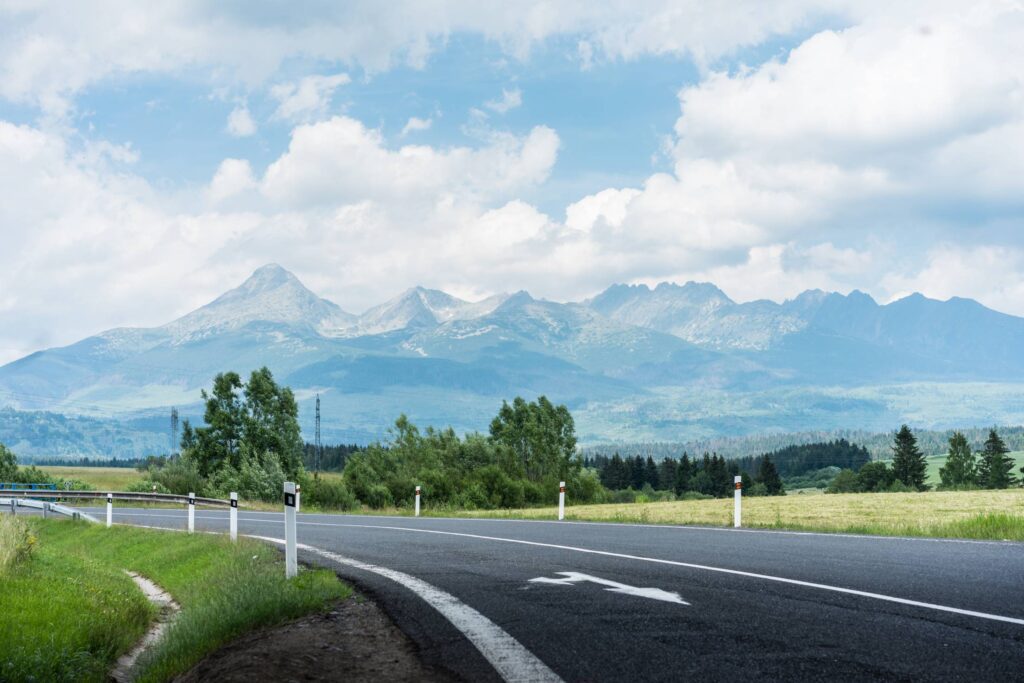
(955, 514)
(100, 478)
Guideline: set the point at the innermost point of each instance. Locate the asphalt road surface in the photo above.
(721, 604)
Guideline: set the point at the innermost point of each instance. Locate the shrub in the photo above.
(376, 496)
(257, 478)
(147, 486)
(179, 476)
(328, 493)
(845, 482)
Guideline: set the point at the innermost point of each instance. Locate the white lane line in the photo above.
(512, 661)
(655, 560)
(685, 527)
(704, 567)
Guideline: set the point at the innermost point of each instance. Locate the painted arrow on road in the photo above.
(570, 578)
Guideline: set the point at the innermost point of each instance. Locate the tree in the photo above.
(615, 476)
(769, 476)
(637, 473)
(844, 482)
(960, 468)
(651, 473)
(875, 476)
(541, 435)
(684, 473)
(245, 422)
(667, 474)
(8, 464)
(908, 463)
(995, 466)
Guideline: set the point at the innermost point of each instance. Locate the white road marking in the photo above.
(655, 560)
(512, 661)
(571, 578)
(684, 527)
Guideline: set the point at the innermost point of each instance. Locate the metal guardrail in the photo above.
(46, 507)
(122, 495)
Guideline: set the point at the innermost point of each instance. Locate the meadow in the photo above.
(69, 608)
(991, 515)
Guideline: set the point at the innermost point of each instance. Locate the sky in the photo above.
(152, 155)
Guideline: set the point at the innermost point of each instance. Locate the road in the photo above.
(727, 603)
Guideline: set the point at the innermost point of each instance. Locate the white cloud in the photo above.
(51, 50)
(340, 160)
(308, 98)
(510, 99)
(240, 122)
(233, 177)
(415, 124)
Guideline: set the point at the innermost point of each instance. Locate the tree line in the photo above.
(710, 475)
(992, 468)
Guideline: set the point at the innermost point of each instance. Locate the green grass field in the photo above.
(935, 462)
(70, 610)
(100, 478)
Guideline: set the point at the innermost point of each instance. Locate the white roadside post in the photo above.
(417, 501)
(291, 563)
(110, 509)
(191, 511)
(298, 497)
(736, 500)
(561, 501)
(233, 517)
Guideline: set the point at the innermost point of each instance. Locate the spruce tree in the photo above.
(908, 463)
(667, 474)
(769, 476)
(651, 473)
(684, 473)
(960, 468)
(639, 473)
(995, 468)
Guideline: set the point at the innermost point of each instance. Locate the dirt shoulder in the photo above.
(355, 641)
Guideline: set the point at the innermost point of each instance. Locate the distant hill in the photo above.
(676, 362)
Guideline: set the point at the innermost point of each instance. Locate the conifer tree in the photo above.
(960, 468)
(769, 476)
(651, 473)
(908, 463)
(995, 466)
(684, 473)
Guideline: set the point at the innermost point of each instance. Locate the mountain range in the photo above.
(674, 362)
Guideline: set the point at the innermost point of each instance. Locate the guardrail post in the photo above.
(417, 501)
(736, 500)
(291, 564)
(561, 501)
(14, 506)
(46, 510)
(191, 511)
(233, 517)
(110, 509)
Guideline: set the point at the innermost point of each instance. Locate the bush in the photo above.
(147, 486)
(328, 494)
(258, 478)
(844, 482)
(875, 476)
(758, 489)
(376, 496)
(179, 476)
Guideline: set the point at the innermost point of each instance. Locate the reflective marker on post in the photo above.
(191, 512)
(233, 517)
(417, 501)
(110, 509)
(298, 497)
(561, 501)
(738, 483)
(291, 563)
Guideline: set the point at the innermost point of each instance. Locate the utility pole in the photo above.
(316, 456)
(174, 430)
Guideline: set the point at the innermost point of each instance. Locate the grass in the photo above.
(100, 478)
(70, 610)
(995, 515)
